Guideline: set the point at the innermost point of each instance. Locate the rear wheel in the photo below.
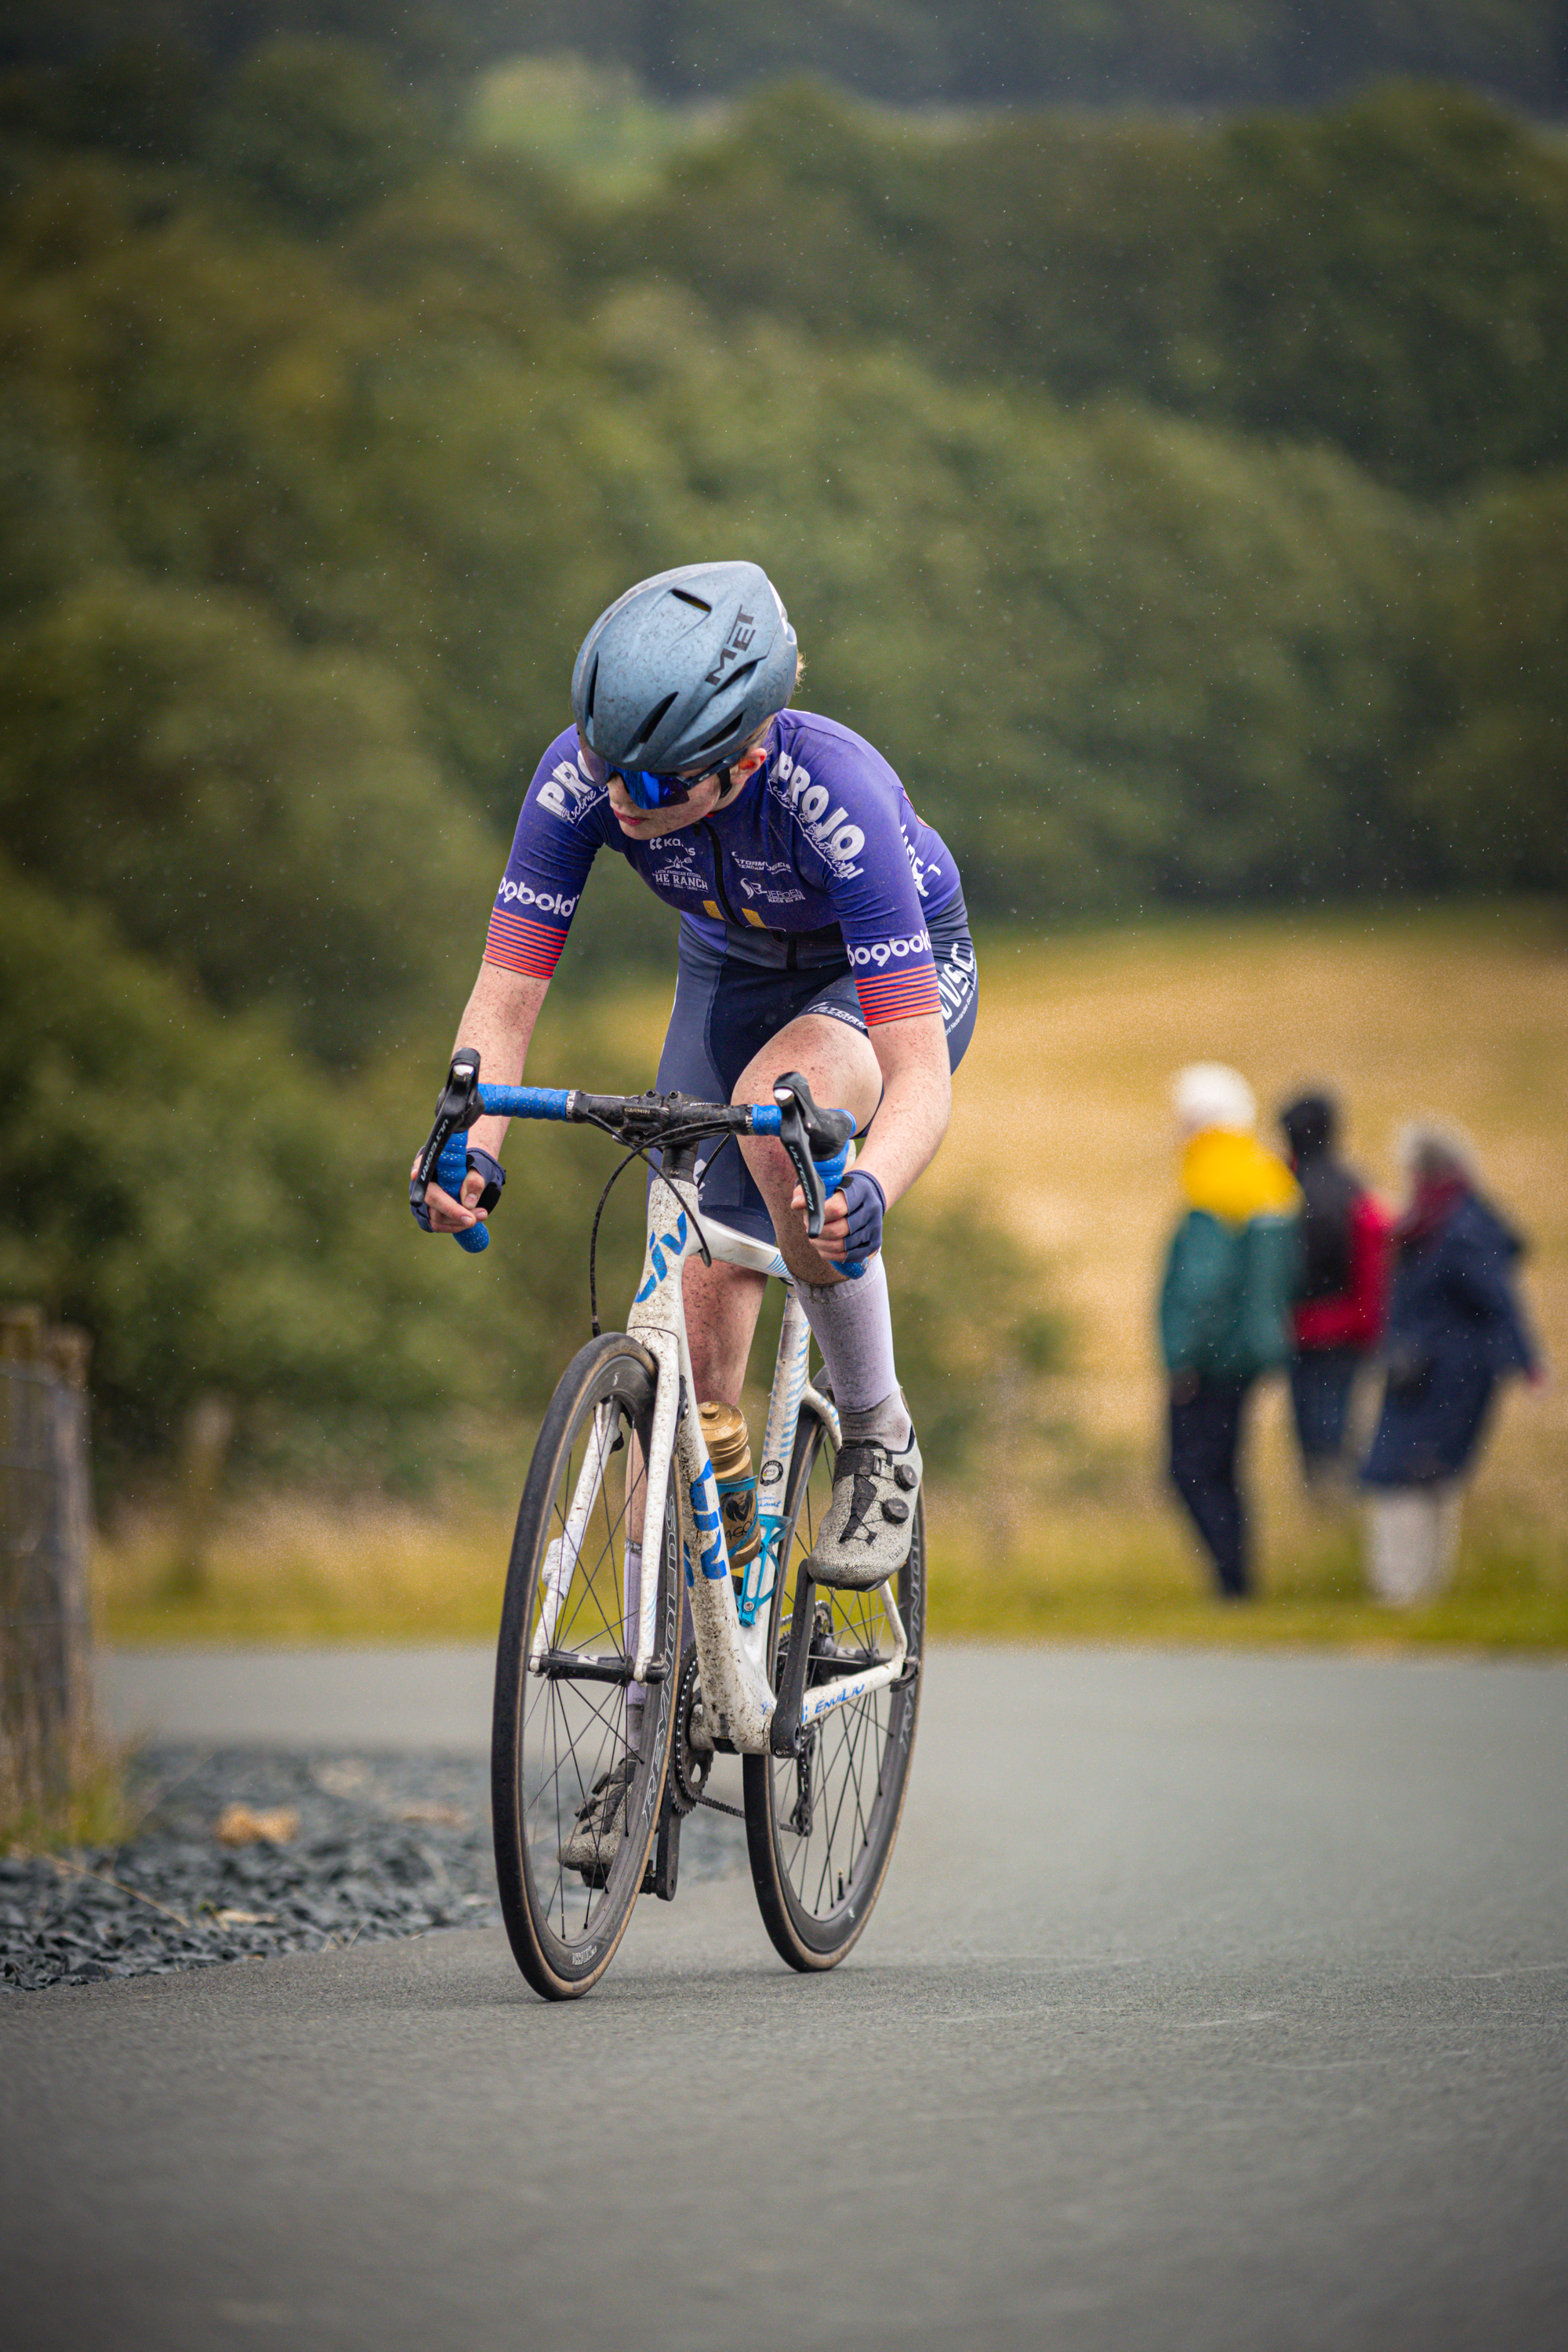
(820, 1826)
(575, 1778)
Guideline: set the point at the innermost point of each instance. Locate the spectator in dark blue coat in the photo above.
(1454, 1329)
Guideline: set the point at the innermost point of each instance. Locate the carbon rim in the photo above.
(567, 1731)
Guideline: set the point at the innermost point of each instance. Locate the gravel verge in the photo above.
(360, 1850)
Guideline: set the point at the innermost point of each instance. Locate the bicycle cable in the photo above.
(637, 1151)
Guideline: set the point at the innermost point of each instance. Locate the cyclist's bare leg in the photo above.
(865, 1535)
(852, 1322)
(838, 1065)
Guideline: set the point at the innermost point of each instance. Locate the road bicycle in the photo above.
(616, 1686)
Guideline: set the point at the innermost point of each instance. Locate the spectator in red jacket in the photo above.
(1342, 1285)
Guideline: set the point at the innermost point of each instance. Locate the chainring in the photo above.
(688, 1766)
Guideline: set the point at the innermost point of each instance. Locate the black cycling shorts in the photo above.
(727, 1006)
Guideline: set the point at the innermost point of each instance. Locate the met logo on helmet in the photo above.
(742, 629)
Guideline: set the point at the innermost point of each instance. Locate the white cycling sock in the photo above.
(852, 1323)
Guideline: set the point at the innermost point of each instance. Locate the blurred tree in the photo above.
(188, 1192)
(1391, 277)
(1495, 784)
(310, 133)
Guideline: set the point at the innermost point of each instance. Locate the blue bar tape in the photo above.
(450, 1170)
(766, 1118)
(525, 1102)
(832, 1172)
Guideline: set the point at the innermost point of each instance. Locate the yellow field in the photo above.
(1062, 1129)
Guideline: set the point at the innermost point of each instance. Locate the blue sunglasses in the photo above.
(647, 789)
(651, 792)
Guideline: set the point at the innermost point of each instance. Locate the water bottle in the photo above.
(730, 1449)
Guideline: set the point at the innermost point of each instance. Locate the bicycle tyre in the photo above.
(552, 1736)
(816, 1893)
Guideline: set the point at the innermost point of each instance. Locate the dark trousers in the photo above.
(1321, 1379)
(1205, 1429)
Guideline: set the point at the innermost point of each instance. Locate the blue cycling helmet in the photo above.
(683, 668)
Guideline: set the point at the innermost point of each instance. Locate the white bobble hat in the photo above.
(1209, 1093)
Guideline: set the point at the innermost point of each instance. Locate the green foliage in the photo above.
(1112, 655)
(309, 132)
(1391, 278)
(320, 442)
(184, 1188)
(172, 756)
(1204, 52)
(973, 1313)
(1495, 785)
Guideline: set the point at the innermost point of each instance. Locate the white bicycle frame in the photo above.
(738, 1697)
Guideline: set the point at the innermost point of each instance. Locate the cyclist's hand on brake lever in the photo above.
(852, 1221)
(445, 1216)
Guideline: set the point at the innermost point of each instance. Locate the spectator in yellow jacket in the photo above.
(1224, 1302)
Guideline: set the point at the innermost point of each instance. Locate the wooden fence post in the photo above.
(46, 1520)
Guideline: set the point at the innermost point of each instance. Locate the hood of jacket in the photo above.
(1232, 1177)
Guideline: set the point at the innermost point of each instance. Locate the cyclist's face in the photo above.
(644, 825)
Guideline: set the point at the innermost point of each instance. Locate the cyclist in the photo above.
(823, 930)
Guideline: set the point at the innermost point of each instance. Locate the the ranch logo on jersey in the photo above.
(829, 830)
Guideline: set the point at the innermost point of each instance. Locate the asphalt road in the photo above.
(1213, 2002)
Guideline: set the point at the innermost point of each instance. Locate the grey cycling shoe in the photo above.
(871, 1523)
(601, 1821)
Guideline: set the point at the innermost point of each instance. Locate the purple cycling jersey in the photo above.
(820, 860)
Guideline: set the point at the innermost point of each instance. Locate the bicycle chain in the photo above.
(689, 1766)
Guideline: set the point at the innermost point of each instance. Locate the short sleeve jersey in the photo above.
(821, 859)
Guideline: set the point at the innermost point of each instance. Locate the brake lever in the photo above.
(793, 1135)
(458, 1108)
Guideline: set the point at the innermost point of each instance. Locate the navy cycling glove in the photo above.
(480, 1164)
(867, 1205)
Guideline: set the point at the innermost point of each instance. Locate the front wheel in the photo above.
(578, 1756)
(820, 1826)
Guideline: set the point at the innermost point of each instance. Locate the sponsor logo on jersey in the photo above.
(826, 825)
(676, 878)
(568, 794)
(885, 952)
(774, 897)
(924, 875)
(764, 865)
(955, 979)
(543, 902)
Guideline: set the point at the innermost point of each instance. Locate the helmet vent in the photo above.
(697, 603)
(650, 723)
(588, 695)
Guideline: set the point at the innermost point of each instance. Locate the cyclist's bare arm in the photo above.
(910, 1121)
(498, 1023)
